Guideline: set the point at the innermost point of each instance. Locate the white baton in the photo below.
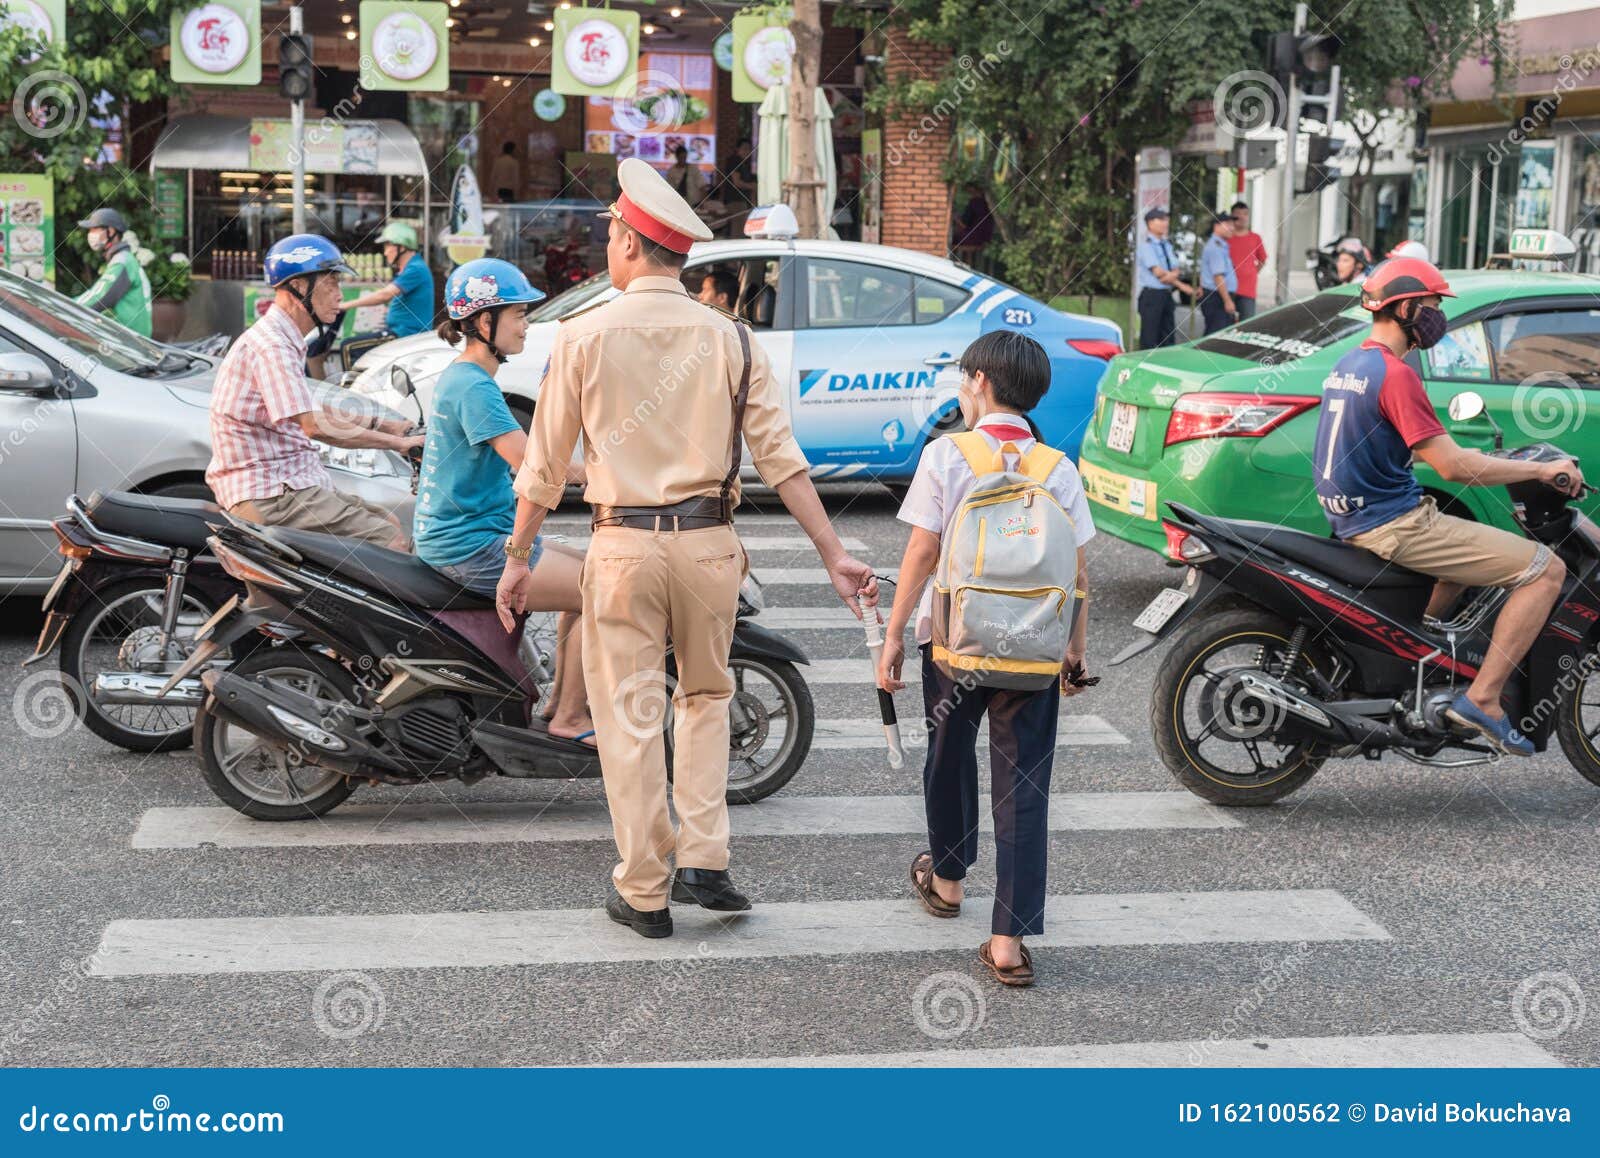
(891, 724)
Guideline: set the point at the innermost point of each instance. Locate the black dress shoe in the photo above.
(655, 923)
(710, 889)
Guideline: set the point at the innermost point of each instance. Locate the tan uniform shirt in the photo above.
(649, 379)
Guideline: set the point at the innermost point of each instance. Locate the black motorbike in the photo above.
(376, 668)
(1288, 649)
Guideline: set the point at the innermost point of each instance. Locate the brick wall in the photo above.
(916, 200)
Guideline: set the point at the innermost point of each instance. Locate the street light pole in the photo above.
(297, 126)
(1291, 142)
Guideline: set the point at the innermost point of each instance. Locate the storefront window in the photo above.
(1536, 185)
(1584, 216)
(1481, 189)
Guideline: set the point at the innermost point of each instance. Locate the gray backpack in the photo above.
(1005, 593)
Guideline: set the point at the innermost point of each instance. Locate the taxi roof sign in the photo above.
(1536, 245)
(772, 221)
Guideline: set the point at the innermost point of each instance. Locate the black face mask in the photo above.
(1426, 327)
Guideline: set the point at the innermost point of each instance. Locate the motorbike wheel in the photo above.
(1193, 704)
(1578, 728)
(114, 629)
(779, 719)
(261, 778)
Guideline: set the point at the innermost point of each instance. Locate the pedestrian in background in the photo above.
(1157, 276)
(1351, 261)
(505, 175)
(974, 226)
(1218, 282)
(1249, 259)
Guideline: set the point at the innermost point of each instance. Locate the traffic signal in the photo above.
(1318, 76)
(1320, 173)
(294, 66)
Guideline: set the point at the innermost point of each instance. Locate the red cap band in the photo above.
(656, 231)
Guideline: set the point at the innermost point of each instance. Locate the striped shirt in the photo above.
(257, 449)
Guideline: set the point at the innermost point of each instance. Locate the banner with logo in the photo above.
(763, 49)
(28, 225)
(405, 46)
(217, 43)
(594, 52)
(674, 103)
(46, 19)
(350, 147)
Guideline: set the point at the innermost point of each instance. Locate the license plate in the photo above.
(55, 588)
(1124, 419)
(1161, 609)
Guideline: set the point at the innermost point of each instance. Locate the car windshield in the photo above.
(575, 298)
(1291, 332)
(97, 340)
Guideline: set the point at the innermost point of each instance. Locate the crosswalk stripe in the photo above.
(792, 929)
(574, 820)
(756, 543)
(1442, 1050)
(799, 576)
(1071, 732)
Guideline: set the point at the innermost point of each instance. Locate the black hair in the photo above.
(450, 332)
(683, 149)
(1015, 365)
(656, 252)
(509, 147)
(1239, 205)
(726, 284)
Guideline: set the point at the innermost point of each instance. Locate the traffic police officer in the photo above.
(660, 386)
(1157, 277)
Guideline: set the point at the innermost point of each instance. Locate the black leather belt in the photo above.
(689, 515)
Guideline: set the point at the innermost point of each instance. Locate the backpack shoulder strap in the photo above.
(1040, 461)
(975, 449)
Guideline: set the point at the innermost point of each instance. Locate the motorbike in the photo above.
(376, 668)
(1287, 650)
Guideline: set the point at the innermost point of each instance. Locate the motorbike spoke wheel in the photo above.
(1578, 724)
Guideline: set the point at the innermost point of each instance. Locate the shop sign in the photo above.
(405, 46)
(763, 52)
(46, 19)
(217, 43)
(28, 226)
(549, 105)
(595, 53)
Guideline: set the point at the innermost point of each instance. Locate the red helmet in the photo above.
(1400, 278)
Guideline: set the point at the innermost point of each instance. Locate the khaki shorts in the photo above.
(1456, 550)
(322, 509)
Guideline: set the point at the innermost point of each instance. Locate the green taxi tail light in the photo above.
(1100, 348)
(1218, 415)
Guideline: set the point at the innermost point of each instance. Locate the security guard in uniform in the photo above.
(661, 387)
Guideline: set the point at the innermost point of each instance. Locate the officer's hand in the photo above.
(853, 580)
(511, 596)
(889, 664)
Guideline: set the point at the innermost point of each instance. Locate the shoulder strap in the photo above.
(739, 399)
(1040, 461)
(975, 449)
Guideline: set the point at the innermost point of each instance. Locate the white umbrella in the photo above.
(827, 167)
(772, 163)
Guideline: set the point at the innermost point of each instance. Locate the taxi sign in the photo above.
(772, 221)
(1534, 245)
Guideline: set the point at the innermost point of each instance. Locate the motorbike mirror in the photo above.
(1466, 406)
(401, 381)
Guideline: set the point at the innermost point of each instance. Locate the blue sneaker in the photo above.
(1499, 732)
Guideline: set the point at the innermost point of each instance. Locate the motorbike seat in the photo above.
(1354, 566)
(169, 522)
(399, 576)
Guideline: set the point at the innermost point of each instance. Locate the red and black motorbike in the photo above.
(1289, 649)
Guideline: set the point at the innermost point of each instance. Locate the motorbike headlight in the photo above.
(367, 462)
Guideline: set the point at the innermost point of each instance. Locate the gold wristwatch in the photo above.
(522, 553)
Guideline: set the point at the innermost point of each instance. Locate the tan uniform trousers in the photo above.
(641, 588)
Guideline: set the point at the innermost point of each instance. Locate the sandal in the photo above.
(1017, 976)
(922, 882)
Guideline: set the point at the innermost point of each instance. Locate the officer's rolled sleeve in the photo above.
(557, 419)
(767, 433)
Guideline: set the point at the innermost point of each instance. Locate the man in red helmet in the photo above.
(1375, 416)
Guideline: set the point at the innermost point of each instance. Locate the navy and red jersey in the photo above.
(1374, 410)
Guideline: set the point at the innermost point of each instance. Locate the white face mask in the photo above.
(97, 239)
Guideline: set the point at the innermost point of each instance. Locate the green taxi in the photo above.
(1226, 424)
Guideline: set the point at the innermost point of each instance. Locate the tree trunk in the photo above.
(801, 184)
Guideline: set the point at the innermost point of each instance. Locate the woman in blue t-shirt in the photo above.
(465, 502)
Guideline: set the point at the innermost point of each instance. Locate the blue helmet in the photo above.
(485, 284)
(302, 254)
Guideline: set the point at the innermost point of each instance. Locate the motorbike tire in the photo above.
(1576, 744)
(787, 678)
(78, 680)
(333, 788)
(1187, 651)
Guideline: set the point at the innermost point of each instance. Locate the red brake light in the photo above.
(1219, 415)
(1184, 546)
(1095, 347)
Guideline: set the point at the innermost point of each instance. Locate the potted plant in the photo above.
(170, 285)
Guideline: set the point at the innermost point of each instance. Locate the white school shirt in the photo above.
(943, 479)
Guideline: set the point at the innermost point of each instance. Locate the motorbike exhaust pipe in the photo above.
(142, 690)
(1320, 718)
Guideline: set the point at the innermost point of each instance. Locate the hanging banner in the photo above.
(217, 43)
(405, 46)
(350, 147)
(467, 239)
(172, 204)
(28, 225)
(674, 103)
(763, 48)
(46, 19)
(594, 52)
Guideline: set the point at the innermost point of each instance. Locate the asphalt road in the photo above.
(1384, 914)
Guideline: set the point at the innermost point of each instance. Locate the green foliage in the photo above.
(111, 61)
(1074, 88)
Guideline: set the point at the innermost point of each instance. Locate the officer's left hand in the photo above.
(853, 580)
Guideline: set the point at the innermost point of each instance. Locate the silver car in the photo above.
(86, 404)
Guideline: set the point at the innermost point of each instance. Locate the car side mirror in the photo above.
(401, 381)
(24, 373)
(1466, 406)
